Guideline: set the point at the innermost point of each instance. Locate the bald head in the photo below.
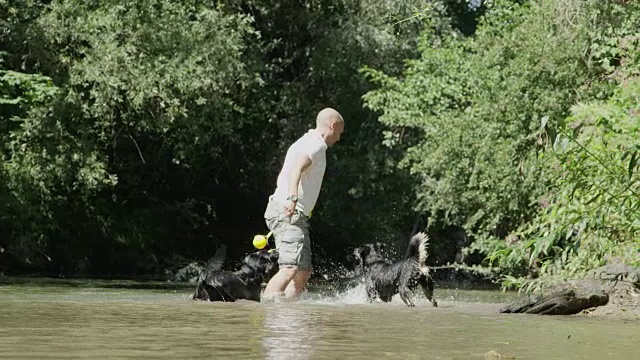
(326, 116)
(330, 124)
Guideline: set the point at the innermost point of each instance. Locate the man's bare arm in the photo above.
(300, 163)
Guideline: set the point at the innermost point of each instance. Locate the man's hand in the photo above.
(300, 163)
(289, 208)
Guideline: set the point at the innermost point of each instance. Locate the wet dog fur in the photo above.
(356, 257)
(243, 284)
(384, 279)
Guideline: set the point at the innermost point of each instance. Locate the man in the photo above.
(289, 208)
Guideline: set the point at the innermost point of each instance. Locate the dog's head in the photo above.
(261, 263)
(363, 255)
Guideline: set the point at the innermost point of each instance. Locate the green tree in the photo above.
(591, 215)
(467, 112)
(146, 91)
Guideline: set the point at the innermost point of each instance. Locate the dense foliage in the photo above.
(592, 215)
(139, 135)
(474, 106)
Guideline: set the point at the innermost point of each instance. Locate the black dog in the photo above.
(384, 279)
(216, 285)
(357, 256)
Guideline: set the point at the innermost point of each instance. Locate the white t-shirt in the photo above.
(311, 144)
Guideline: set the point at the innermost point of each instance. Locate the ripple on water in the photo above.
(127, 322)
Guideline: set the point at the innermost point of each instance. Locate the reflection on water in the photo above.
(290, 333)
(87, 320)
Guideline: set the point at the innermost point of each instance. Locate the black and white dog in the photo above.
(384, 279)
(216, 285)
(357, 257)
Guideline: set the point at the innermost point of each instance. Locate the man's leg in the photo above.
(279, 282)
(294, 249)
(299, 281)
(297, 284)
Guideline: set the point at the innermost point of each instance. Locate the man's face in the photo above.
(336, 128)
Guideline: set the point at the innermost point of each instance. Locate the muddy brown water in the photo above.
(121, 319)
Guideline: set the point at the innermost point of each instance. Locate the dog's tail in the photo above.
(417, 250)
(215, 263)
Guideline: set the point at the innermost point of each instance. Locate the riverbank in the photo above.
(612, 290)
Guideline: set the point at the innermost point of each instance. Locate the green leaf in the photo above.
(569, 233)
(624, 155)
(543, 121)
(592, 199)
(632, 163)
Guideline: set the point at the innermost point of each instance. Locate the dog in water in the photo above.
(357, 256)
(383, 279)
(216, 285)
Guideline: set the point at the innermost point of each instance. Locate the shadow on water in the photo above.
(95, 283)
(334, 284)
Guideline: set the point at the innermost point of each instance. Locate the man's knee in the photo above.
(302, 276)
(305, 272)
(289, 270)
(295, 272)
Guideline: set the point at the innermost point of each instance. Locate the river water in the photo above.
(123, 319)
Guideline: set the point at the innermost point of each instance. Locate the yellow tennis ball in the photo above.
(259, 241)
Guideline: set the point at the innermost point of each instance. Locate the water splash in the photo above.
(350, 295)
(353, 293)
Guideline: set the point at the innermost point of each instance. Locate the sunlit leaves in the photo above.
(476, 102)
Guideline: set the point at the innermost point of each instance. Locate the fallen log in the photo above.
(618, 282)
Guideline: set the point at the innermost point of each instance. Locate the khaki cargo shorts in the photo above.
(291, 235)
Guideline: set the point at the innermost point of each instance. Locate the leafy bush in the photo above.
(475, 103)
(143, 91)
(592, 215)
(468, 112)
